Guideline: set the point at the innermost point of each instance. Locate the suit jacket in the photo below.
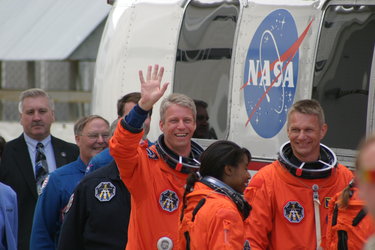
(8, 218)
(16, 170)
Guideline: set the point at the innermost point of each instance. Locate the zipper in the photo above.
(317, 204)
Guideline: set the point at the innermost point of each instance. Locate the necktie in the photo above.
(41, 167)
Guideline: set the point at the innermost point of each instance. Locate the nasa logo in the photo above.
(271, 72)
(294, 212)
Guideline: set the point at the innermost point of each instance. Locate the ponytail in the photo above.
(346, 194)
(190, 182)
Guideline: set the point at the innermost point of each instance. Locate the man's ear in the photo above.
(77, 138)
(324, 130)
(53, 116)
(161, 125)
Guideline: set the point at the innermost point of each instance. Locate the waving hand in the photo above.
(151, 89)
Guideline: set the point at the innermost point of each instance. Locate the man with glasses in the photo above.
(99, 196)
(91, 135)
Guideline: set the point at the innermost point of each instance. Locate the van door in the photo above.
(342, 74)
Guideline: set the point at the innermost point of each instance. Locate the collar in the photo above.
(32, 143)
(177, 162)
(81, 165)
(321, 168)
(243, 207)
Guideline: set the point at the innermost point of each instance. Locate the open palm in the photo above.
(151, 89)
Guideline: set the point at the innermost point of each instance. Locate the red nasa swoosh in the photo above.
(287, 56)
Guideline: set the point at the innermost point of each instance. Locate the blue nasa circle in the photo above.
(271, 73)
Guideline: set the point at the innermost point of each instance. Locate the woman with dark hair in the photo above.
(214, 210)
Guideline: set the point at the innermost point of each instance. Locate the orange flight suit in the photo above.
(356, 232)
(156, 190)
(218, 224)
(283, 209)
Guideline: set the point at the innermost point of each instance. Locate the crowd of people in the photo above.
(115, 189)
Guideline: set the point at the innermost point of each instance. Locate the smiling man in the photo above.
(91, 135)
(156, 176)
(290, 196)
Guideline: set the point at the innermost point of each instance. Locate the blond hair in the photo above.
(308, 107)
(178, 99)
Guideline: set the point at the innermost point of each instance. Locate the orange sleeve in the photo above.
(226, 230)
(260, 220)
(128, 154)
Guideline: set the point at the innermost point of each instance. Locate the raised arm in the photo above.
(124, 145)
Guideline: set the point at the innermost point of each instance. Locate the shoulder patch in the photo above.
(151, 154)
(66, 209)
(105, 191)
(168, 200)
(44, 184)
(294, 212)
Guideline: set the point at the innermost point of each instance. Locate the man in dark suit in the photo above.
(18, 167)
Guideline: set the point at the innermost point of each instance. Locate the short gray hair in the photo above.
(178, 99)
(308, 107)
(35, 92)
(82, 122)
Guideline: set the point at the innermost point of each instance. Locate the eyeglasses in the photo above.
(95, 136)
(367, 176)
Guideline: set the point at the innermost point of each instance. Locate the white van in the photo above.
(248, 60)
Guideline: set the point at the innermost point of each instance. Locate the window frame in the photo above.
(207, 142)
(347, 156)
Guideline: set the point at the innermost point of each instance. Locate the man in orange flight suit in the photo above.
(290, 196)
(156, 176)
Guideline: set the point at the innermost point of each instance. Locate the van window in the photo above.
(203, 62)
(342, 72)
